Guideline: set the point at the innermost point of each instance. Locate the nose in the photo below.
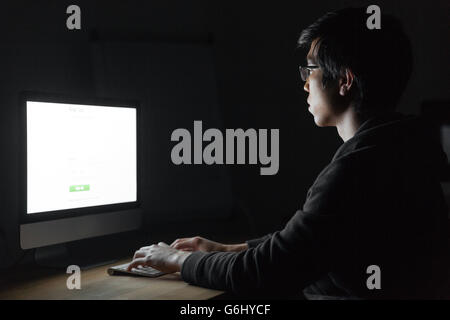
(306, 86)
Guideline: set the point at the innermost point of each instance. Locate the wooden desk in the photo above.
(97, 284)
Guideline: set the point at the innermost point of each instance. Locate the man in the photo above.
(377, 206)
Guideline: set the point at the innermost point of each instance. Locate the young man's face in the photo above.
(323, 102)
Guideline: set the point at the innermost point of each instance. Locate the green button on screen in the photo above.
(78, 188)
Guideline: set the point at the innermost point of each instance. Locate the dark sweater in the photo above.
(379, 202)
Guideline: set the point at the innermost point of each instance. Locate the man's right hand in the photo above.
(202, 244)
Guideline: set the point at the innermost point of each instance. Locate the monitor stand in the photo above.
(60, 257)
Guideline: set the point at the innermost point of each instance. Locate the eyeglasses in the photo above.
(306, 71)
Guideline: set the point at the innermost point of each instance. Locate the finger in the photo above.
(139, 254)
(163, 244)
(136, 263)
(185, 245)
(178, 246)
(177, 241)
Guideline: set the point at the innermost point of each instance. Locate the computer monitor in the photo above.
(80, 169)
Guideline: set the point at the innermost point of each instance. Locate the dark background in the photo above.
(231, 64)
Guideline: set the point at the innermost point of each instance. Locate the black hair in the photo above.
(380, 59)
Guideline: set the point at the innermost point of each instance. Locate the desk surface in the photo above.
(97, 284)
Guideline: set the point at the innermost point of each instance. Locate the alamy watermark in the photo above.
(73, 22)
(74, 280)
(213, 153)
(374, 20)
(374, 280)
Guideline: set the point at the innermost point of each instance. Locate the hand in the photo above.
(160, 256)
(202, 244)
(197, 244)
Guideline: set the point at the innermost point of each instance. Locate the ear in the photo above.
(346, 82)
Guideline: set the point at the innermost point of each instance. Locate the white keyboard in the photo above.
(139, 271)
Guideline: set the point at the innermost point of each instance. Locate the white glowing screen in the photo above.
(79, 156)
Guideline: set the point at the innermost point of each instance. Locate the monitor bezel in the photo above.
(75, 212)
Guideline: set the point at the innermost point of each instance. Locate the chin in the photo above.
(319, 122)
(321, 117)
(317, 119)
(322, 121)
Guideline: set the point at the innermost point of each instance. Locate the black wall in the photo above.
(244, 76)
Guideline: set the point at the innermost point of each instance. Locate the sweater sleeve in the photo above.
(255, 242)
(300, 253)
